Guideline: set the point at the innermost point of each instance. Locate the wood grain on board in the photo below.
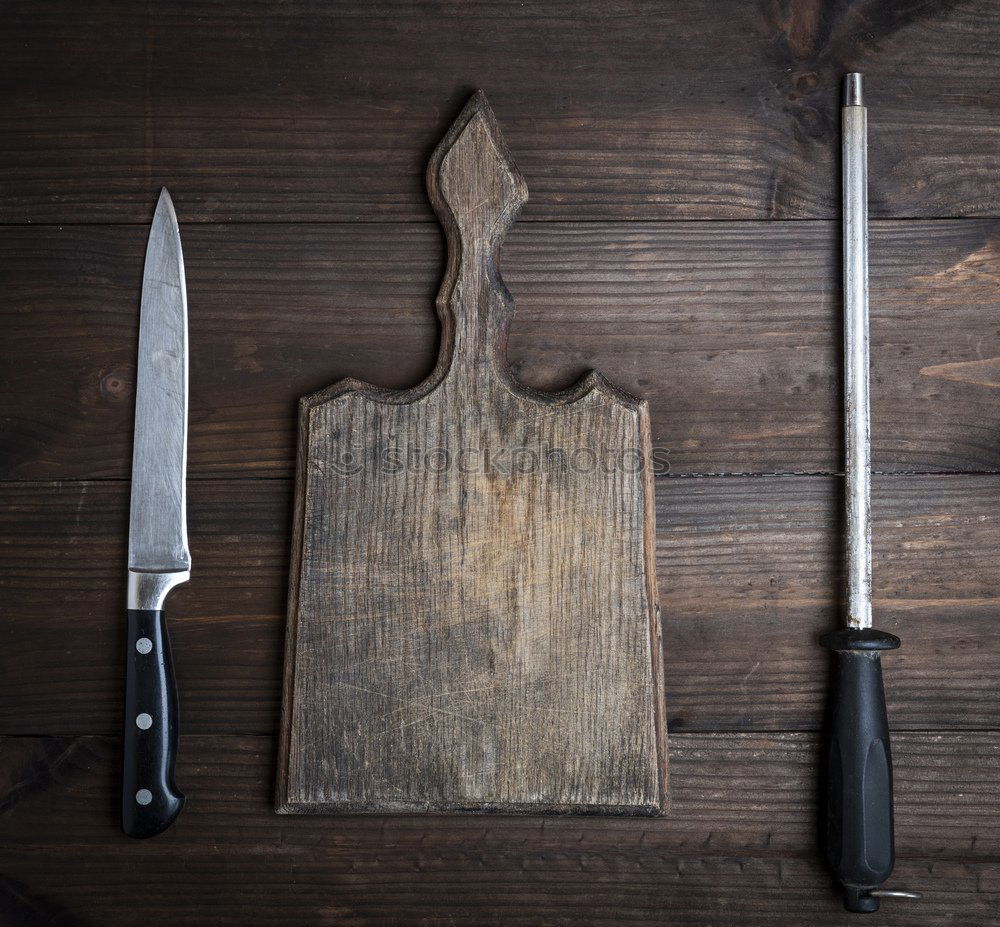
(731, 331)
(634, 109)
(472, 615)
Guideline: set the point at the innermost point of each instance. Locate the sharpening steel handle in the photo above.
(150, 799)
(859, 838)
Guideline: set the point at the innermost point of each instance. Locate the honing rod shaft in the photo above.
(857, 428)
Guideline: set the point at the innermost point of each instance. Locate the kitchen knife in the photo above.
(158, 555)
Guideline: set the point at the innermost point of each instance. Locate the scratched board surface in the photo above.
(472, 622)
(682, 238)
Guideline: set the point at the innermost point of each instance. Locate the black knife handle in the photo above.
(859, 838)
(150, 799)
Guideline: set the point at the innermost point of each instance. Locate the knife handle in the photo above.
(859, 838)
(150, 799)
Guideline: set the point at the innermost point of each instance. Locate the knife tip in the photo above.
(165, 207)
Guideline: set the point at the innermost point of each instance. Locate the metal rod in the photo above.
(854, 118)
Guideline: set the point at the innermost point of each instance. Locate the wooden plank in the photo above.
(738, 846)
(633, 109)
(732, 794)
(730, 330)
(275, 887)
(481, 631)
(751, 569)
(747, 571)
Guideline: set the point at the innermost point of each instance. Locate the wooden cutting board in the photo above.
(473, 623)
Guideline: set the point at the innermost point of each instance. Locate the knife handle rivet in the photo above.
(143, 796)
(144, 645)
(144, 722)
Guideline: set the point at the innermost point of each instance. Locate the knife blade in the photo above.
(158, 554)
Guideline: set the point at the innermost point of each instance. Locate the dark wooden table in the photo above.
(682, 237)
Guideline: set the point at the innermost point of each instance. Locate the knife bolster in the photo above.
(147, 591)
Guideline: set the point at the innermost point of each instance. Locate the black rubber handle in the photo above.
(859, 838)
(150, 800)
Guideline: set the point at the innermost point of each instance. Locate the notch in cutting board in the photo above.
(473, 620)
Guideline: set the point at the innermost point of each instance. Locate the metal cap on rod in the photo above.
(853, 95)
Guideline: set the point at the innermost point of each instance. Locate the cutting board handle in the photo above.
(477, 192)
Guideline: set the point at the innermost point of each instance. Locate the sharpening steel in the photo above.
(859, 828)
